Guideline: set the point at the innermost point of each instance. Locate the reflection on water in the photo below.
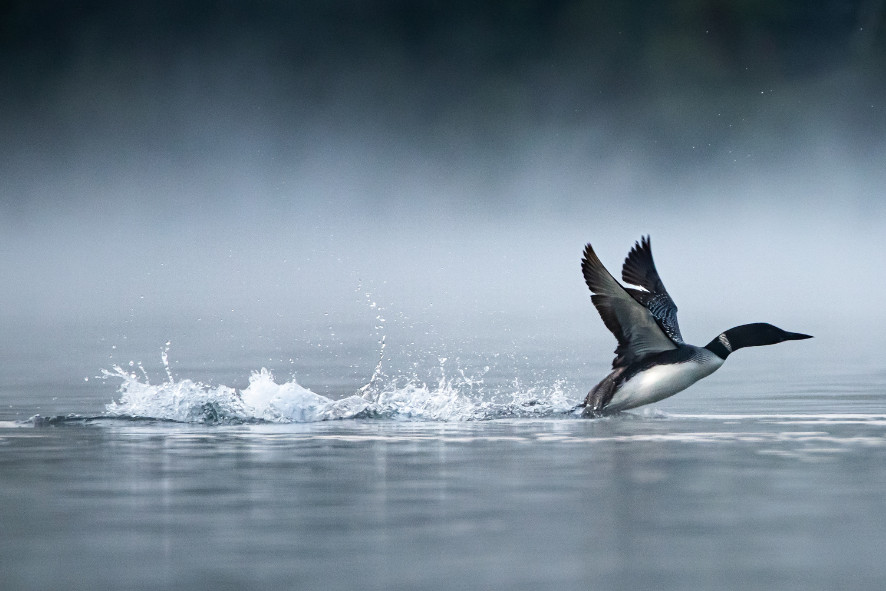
(666, 501)
(469, 473)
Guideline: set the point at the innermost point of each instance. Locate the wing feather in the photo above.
(639, 269)
(633, 324)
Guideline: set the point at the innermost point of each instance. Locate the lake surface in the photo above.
(457, 466)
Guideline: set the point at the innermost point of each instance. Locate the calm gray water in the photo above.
(457, 467)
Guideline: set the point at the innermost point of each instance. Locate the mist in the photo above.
(248, 165)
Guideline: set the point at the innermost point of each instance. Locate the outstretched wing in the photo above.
(636, 330)
(639, 269)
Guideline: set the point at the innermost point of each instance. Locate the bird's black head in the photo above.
(761, 333)
(751, 335)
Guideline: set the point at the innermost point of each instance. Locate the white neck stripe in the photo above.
(725, 342)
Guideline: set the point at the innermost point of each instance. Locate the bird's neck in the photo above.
(721, 346)
(739, 337)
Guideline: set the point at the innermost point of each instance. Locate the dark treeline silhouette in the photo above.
(465, 77)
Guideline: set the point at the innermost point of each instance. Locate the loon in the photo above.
(651, 360)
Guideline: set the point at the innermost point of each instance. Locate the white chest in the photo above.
(661, 381)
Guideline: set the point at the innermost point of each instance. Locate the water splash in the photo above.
(459, 397)
(367, 391)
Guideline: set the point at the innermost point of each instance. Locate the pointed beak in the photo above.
(797, 336)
